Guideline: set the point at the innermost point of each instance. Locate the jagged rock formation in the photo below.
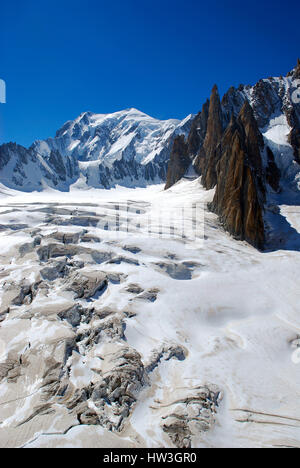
(240, 191)
(272, 171)
(179, 161)
(251, 150)
(293, 114)
(183, 153)
(207, 157)
(295, 73)
(198, 130)
(131, 148)
(191, 414)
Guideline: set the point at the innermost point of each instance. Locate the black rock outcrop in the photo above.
(240, 191)
(228, 150)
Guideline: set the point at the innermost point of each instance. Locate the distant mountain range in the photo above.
(95, 150)
(246, 146)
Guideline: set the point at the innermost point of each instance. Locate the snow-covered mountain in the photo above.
(247, 147)
(129, 317)
(98, 150)
(276, 106)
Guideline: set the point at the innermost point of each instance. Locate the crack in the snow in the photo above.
(50, 434)
(20, 398)
(266, 414)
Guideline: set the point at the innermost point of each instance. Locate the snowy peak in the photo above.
(107, 137)
(100, 150)
(128, 135)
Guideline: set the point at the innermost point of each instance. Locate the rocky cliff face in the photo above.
(179, 161)
(295, 73)
(184, 152)
(25, 169)
(240, 191)
(208, 155)
(292, 111)
(198, 130)
(251, 153)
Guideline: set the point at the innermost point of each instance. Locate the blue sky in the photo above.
(60, 58)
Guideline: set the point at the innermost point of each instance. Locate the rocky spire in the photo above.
(214, 122)
(297, 70)
(294, 135)
(240, 190)
(295, 73)
(183, 153)
(253, 138)
(293, 116)
(198, 130)
(272, 172)
(179, 161)
(208, 155)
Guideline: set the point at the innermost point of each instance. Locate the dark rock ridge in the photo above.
(183, 152)
(198, 130)
(240, 191)
(179, 161)
(26, 170)
(205, 163)
(295, 73)
(248, 149)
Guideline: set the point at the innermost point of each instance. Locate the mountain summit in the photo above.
(95, 150)
(246, 146)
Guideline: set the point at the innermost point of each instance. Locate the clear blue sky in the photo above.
(60, 58)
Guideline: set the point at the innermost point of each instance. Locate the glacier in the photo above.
(120, 328)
